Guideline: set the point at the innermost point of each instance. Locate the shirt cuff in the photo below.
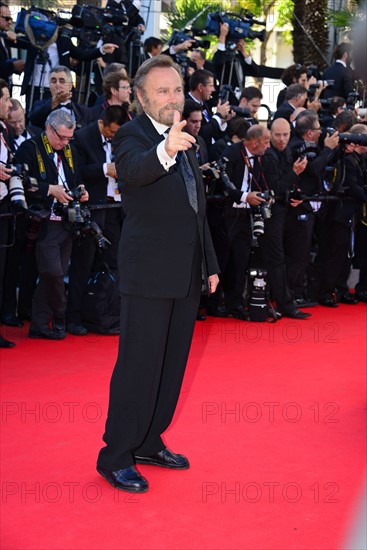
(105, 168)
(221, 123)
(165, 160)
(248, 60)
(244, 196)
(221, 47)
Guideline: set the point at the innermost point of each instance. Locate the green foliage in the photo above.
(347, 19)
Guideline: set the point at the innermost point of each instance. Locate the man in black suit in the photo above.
(61, 98)
(281, 175)
(5, 153)
(341, 72)
(244, 171)
(98, 173)
(201, 85)
(8, 38)
(165, 244)
(295, 97)
(50, 161)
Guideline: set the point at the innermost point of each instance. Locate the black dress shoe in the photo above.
(45, 333)
(219, 311)
(328, 301)
(304, 302)
(347, 298)
(296, 314)
(127, 479)
(239, 312)
(6, 343)
(76, 329)
(165, 459)
(11, 320)
(110, 331)
(200, 316)
(362, 295)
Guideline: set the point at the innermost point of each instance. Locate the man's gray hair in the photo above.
(60, 118)
(61, 69)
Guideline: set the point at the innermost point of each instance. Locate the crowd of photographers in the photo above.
(286, 200)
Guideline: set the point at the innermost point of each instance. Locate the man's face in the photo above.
(302, 79)
(5, 18)
(59, 82)
(156, 50)
(194, 123)
(196, 58)
(260, 145)
(162, 94)
(315, 133)
(16, 119)
(300, 100)
(280, 134)
(109, 130)
(5, 104)
(207, 89)
(123, 93)
(253, 105)
(59, 137)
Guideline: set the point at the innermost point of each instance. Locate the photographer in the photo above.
(341, 218)
(50, 161)
(233, 67)
(250, 99)
(300, 220)
(201, 86)
(5, 151)
(295, 97)
(61, 86)
(8, 40)
(341, 72)
(245, 172)
(281, 174)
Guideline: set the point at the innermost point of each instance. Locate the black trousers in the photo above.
(85, 257)
(154, 346)
(273, 258)
(4, 231)
(297, 245)
(234, 259)
(53, 256)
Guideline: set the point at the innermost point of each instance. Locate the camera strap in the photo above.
(251, 171)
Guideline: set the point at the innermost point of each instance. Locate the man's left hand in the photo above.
(109, 48)
(213, 281)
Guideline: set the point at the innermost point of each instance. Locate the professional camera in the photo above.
(316, 85)
(36, 215)
(262, 212)
(216, 180)
(19, 181)
(79, 215)
(38, 25)
(357, 139)
(178, 37)
(223, 97)
(239, 25)
(352, 99)
(307, 150)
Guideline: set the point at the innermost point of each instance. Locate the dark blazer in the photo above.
(66, 49)
(284, 111)
(27, 154)
(343, 81)
(90, 156)
(160, 229)
(42, 108)
(354, 188)
(6, 62)
(278, 170)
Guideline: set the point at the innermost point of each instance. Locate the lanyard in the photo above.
(251, 171)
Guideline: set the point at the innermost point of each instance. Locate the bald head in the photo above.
(280, 133)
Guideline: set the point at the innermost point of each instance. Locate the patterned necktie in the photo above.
(189, 179)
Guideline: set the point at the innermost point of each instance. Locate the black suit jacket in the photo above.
(27, 154)
(343, 81)
(284, 111)
(278, 170)
(42, 108)
(90, 156)
(6, 63)
(160, 228)
(354, 188)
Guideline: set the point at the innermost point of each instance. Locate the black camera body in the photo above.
(307, 150)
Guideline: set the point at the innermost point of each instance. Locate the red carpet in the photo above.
(272, 418)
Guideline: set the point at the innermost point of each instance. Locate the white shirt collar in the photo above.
(342, 62)
(161, 128)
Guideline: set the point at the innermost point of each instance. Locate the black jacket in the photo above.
(42, 108)
(343, 81)
(160, 228)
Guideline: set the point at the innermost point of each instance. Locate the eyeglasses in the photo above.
(7, 18)
(62, 138)
(128, 87)
(319, 129)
